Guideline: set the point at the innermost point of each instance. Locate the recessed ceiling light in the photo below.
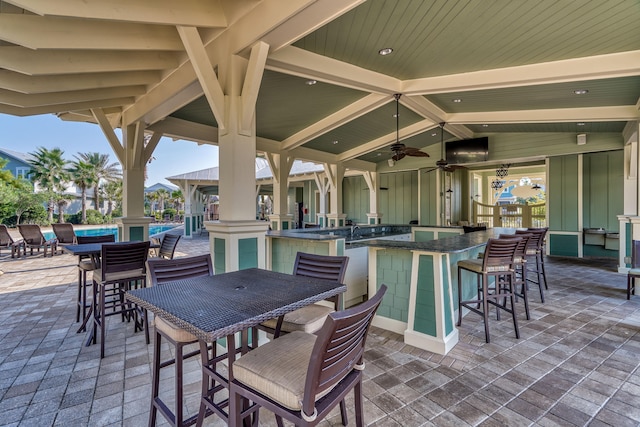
(386, 51)
(311, 82)
(581, 91)
(580, 124)
(334, 142)
(485, 126)
(457, 100)
(379, 154)
(396, 115)
(434, 134)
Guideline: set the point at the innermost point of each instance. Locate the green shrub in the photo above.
(94, 217)
(169, 211)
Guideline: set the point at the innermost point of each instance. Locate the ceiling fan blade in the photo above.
(410, 151)
(398, 156)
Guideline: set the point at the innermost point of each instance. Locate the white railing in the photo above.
(513, 215)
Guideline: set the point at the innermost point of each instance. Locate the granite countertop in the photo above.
(451, 244)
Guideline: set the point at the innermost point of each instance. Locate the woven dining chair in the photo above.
(122, 267)
(162, 271)
(300, 376)
(168, 245)
(310, 318)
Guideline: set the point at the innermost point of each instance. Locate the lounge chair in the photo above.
(34, 239)
(6, 241)
(64, 234)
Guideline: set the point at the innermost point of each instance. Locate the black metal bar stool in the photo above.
(535, 258)
(520, 266)
(497, 263)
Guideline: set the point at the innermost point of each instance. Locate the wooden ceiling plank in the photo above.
(59, 83)
(37, 32)
(578, 69)
(198, 13)
(21, 100)
(204, 70)
(50, 62)
(335, 120)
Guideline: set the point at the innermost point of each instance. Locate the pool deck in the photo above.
(576, 362)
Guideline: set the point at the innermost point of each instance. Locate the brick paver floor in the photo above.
(577, 362)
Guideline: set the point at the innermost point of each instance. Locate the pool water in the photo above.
(153, 229)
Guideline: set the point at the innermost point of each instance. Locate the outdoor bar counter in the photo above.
(422, 295)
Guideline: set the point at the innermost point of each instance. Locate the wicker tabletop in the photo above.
(213, 307)
(88, 249)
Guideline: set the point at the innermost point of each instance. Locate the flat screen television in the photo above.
(467, 150)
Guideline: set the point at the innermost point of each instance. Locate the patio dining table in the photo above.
(219, 306)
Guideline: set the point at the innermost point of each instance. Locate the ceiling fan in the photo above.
(399, 149)
(442, 164)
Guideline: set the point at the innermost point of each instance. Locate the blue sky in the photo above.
(26, 134)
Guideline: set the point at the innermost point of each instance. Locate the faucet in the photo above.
(353, 230)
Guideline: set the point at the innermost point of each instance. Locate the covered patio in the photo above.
(575, 364)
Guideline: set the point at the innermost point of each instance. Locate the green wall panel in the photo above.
(562, 193)
(602, 189)
(248, 253)
(425, 318)
(399, 202)
(394, 270)
(563, 245)
(219, 255)
(136, 234)
(187, 225)
(283, 252)
(355, 199)
(423, 236)
(429, 194)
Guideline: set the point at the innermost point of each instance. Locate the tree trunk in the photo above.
(84, 206)
(109, 207)
(50, 210)
(96, 198)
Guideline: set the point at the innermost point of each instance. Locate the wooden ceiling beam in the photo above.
(613, 65)
(70, 82)
(557, 115)
(38, 32)
(51, 62)
(198, 13)
(21, 100)
(353, 111)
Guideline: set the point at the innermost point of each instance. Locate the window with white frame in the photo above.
(22, 172)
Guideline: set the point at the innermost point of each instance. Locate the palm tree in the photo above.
(113, 193)
(152, 197)
(104, 171)
(177, 199)
(162, 196)
(62, 200)
(48, 171)
(83, 175)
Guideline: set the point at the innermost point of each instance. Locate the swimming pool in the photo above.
(153, 229)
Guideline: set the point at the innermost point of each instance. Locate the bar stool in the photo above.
(535, 258)
(520, 267)
(87, 264)
(162, 271)
(498, 262)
